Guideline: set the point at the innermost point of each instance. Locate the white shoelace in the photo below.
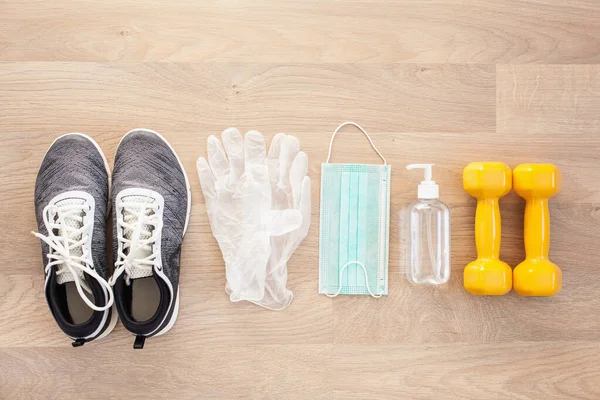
(67, 250)
(138, 228)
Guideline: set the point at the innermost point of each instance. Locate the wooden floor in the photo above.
(444, 81)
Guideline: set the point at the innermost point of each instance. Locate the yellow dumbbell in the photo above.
(537, 275)
(487, 182)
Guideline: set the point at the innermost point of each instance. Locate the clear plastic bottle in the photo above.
(429, 234)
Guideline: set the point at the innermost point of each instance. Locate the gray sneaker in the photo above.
(151, 200)
(71, 200)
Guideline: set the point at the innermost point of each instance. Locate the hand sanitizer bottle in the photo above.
(429, 234)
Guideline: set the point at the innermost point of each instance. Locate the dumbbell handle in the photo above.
(487, 228)
(537, 228)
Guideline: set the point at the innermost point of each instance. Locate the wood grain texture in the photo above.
(546, 370)
(444, 81)
(455, 31)
(211, 372)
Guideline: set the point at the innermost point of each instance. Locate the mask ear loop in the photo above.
(363, 131)
(342, 274)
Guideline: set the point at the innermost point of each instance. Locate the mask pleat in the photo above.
(352, 271)
(372, 230)
(361, 222)
(333, 208)
(345, 228)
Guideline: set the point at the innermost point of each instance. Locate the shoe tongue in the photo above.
(67, 276)
(145, 232)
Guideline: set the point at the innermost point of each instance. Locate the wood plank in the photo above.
(209, 372)
(443, 31)
(202, 99)
(524, 371)
(556, 101)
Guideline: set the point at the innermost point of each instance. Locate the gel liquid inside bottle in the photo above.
(429, 234)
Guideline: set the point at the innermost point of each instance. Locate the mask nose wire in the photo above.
(342, 274)
(363, 131)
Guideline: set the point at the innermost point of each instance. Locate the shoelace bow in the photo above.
(63, 245)
(132, 230)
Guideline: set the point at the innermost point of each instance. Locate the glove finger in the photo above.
(297, 174)
(255, 150)
(217, 158)
(234, 145)
(275, 148)
(305, 208)
(289, 149)
(273, 157)
(280, 222)
(207, 179)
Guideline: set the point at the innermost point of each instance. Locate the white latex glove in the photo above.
(290, 188)
(238, 199)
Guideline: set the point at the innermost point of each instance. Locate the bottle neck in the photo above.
(428, 191)
(420, 200)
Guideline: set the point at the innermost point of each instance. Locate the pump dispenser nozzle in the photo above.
(428, 189)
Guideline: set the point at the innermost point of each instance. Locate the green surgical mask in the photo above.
(355, 225)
